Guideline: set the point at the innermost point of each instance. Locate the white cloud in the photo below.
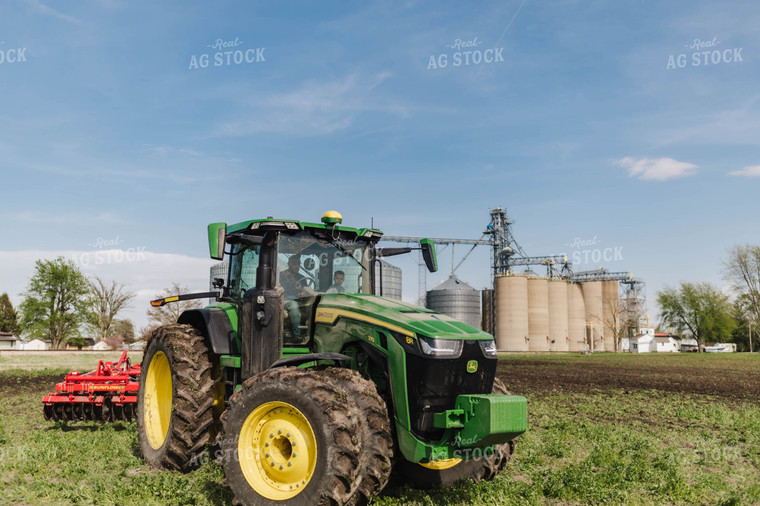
(656, 169)
(144, 272)
(316, 108)
(749, 171)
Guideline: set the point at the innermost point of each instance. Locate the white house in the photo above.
(8, 341)
(665, 343)
(642, 343)
(36, 345)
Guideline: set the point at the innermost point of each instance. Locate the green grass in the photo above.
(70, 360)
(633, 446)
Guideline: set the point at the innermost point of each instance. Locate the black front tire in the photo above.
(196, 394)
(332, 435)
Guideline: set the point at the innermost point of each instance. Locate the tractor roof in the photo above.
(269, 223)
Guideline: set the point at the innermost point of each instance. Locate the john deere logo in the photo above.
(472, 366)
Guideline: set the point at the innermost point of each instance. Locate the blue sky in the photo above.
(108, 133)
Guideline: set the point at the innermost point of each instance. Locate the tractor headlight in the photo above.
(443, 348)
(489, 348)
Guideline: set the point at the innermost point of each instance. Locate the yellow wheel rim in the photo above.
(440, 465)
(158, 399)
(277, 451)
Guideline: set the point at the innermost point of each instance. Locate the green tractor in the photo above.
(310, 386)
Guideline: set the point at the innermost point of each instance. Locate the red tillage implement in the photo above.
(107, 394)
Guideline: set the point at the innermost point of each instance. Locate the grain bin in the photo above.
(538, 314)
(576, 318)
(610, 313)
(511, 294)
(457, 299)
(391, 285)
(592, 298)
(558, 317)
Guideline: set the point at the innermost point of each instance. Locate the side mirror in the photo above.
(216, 235)
(428, 254)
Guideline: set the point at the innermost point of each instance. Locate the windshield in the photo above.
(306, 264)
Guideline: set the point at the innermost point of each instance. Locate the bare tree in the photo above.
(742, 269)
(105, 303)
(168, 314)
(617, 320)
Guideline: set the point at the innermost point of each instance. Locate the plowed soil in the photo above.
(703, 375)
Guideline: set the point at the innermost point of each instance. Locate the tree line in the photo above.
(709, 314)
(63, 306)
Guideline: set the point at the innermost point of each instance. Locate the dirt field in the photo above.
(727, 376)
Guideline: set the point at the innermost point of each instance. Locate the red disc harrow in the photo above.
(107, 394)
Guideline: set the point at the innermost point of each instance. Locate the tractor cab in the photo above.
(304, 261)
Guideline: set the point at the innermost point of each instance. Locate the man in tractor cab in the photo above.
(292, 282)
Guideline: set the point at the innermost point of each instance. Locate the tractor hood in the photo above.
(396, 315)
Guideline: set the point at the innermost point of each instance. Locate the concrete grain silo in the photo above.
(576, 318)
(558, 317)
(457, 299)
(592, 298)
(538, 314)
(511, 302)
(610, 312)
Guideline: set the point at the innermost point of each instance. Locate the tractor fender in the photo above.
(214, 326)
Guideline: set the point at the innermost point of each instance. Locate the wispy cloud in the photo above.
(749, 171)
(656, 169)
(49, 11)
(316, 108)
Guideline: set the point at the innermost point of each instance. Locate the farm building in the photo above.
(665, 343)
(36, 345)
(8, 341)
(642, 344)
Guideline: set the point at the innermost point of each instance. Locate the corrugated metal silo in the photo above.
(576, 318)
(538, 314)
(558, 318)
(486, 297)
(457, 299)
(609, 308)
(511, 293)
(592, 298)
(391, 285)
